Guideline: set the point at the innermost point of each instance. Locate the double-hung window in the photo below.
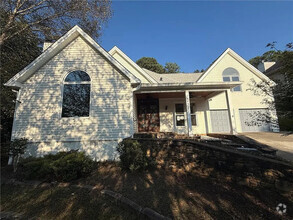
(180, 114)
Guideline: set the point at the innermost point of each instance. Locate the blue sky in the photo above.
(194, 33)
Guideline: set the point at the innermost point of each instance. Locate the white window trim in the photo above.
(183, 113)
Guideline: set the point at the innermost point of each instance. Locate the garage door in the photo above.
(220, 121)
(252, 120)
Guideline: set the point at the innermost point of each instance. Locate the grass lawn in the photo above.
(202, 194)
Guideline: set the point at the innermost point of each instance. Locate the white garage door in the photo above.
(252, 120)
(220, 121)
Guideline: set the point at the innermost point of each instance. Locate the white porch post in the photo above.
(187, 102)
(230, 112)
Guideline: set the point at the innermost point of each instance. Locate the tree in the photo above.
(269, 56)
(17, 148)
(198, 71)
(50, 19)
(172, 68)
(16, 53)
(150, 63)
(280, 97)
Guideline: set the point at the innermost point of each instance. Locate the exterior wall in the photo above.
(130, 68)
(38, 116)
(99, 150)
(167, 117)
(239, 100)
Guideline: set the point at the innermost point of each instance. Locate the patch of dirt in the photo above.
(199, 194)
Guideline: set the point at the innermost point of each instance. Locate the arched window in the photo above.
(76, 95)
(231, 75)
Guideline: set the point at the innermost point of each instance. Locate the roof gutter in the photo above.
(172, 86)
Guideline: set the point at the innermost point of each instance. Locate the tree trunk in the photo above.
(3, 36)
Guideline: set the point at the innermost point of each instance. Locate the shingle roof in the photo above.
(174, 77)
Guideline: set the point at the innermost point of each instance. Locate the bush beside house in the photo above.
(134, 156)
(63, 166)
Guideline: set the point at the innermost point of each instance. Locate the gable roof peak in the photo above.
(56, 47)
(240, 60)
(116, 49)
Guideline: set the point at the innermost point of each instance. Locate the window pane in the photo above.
(237, 89)
(230, 72)
(226, 79)
(77, 76)
(179, 108)
(180, 120)
(235, 78)
(193, 119)
(76, 100)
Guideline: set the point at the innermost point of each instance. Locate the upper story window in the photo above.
(231, 75)
(76, 95)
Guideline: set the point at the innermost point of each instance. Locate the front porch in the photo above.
(181, 111)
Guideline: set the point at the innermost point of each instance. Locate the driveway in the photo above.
(280, 141)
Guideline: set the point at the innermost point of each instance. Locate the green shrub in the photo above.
(133, 156)
(286, 123)
(17, 148)
(63, 166)
(4, 153)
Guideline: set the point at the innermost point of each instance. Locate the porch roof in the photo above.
(203, 86)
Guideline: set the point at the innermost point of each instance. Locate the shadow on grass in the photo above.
(60, 203)
(202, 194)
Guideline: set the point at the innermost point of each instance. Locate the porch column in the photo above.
(230, 112)
(187, 102)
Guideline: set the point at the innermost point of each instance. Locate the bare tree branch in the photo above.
(52, 18)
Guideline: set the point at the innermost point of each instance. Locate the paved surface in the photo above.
(280, 141)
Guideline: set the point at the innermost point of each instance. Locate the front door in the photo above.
(148, 115)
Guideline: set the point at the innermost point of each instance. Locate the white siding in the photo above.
(167, 116)
(240, 100)
(38, 117)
